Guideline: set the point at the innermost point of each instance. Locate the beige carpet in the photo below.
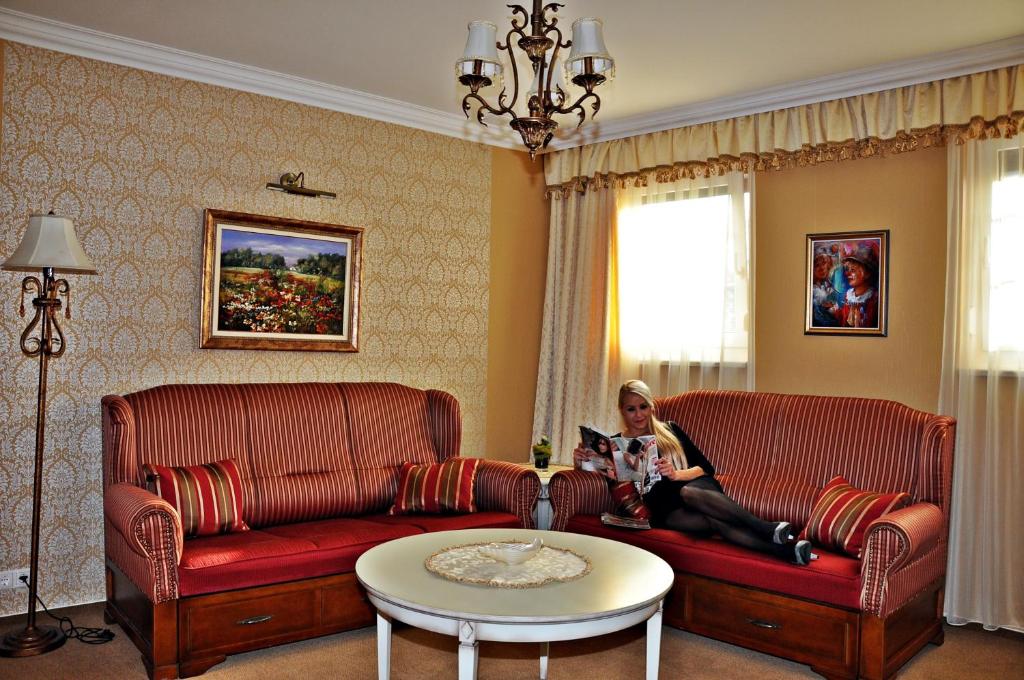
(968, 653)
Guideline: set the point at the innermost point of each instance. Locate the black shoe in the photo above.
(802, 552)
(783, 533)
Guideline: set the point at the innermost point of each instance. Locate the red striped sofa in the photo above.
(319, 465)
(844, 617)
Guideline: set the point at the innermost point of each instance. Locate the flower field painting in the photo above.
(275, 283)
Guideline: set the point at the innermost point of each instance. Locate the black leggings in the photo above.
(700, 507)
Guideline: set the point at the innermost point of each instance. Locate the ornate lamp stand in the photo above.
(49, 243)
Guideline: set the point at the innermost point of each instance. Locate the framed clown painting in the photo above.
(278, 283)
(847, 289)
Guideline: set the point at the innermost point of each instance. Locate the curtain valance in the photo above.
(980, 105)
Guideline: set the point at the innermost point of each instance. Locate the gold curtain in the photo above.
(980, 105)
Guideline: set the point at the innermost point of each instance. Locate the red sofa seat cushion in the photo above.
(831, 579)
(476, 520)
(289, 552)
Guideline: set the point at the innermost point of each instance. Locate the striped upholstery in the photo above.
(207, 498)
(736, 431)
(143, 536)
(301, 461)
(903, 554)
(507, 485)
(445, 423)
(177, 425)
(388, 424)
(436, 487)
(577, 492)
(305, 451)
(842, 513)
(773, 453)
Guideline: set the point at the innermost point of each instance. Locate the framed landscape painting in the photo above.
(278, 283)
(847, 289)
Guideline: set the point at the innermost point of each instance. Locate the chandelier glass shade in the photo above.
(588, 65)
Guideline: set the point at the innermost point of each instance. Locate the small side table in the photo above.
(542, 511)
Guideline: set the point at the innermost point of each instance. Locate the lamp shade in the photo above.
(481, 54)
(588, 54)
(50, 241)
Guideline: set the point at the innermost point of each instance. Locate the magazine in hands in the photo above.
(632, 459)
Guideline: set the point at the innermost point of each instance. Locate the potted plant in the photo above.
(542, 453)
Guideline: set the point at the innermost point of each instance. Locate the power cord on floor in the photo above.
(90, 636)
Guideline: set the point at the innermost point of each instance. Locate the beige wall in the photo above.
(906, 194)
(519, 248)
(134, 158)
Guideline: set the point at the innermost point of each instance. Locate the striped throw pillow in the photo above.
(842, 514)
(436, 487)
(207, 497)
(628, 502)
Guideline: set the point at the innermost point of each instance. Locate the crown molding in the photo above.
(951, 64)
(92, 44)
(85, 42)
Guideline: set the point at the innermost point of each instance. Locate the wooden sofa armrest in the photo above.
(507, 487)
(574, 492)
(144, 538)
(904, 553)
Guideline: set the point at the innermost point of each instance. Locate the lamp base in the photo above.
(32, 641)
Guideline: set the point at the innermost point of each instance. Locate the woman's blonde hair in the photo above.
(668, 445)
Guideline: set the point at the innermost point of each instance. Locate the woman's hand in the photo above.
(580, 455)
(665, 468)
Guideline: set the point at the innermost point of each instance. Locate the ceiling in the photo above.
(677, 62)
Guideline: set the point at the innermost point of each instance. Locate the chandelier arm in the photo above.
(466, 106)
(558, 43)
(553, 7)
(577, 106)
(507, 47)
(548, 102)
(519, 9)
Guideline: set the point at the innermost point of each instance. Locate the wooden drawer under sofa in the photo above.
(825, 637)
(189, 635)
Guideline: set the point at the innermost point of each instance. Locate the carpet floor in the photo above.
(968, 653)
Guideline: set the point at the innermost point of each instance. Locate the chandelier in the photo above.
(588, 65)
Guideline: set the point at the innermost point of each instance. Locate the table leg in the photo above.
(545, 648)
(383, 647)
(468, 651)
(654, 643)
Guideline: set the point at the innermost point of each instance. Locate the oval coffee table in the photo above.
(626, 586)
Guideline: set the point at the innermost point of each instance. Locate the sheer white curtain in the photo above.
(983, 381)
(576, 383)
(685, 284)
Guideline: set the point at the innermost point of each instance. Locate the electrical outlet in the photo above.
(6, 580)
(16, 578)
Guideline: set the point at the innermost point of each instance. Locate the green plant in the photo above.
(542, 449)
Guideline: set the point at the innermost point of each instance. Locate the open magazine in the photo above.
(630, 459)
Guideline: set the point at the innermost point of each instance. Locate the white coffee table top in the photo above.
(622, 579)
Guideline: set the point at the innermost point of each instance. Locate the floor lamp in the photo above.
(49, 245)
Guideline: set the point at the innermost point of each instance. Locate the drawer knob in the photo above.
(764, 624)
(254, 620)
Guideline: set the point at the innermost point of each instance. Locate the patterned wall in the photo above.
(134, 158)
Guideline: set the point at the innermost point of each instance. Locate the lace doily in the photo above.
(465, 564)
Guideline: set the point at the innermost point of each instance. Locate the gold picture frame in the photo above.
(847, 283)
(275, 283)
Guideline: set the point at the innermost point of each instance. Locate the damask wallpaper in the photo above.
(134, 158)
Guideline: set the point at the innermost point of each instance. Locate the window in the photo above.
(1005, 328)
(683, 275)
